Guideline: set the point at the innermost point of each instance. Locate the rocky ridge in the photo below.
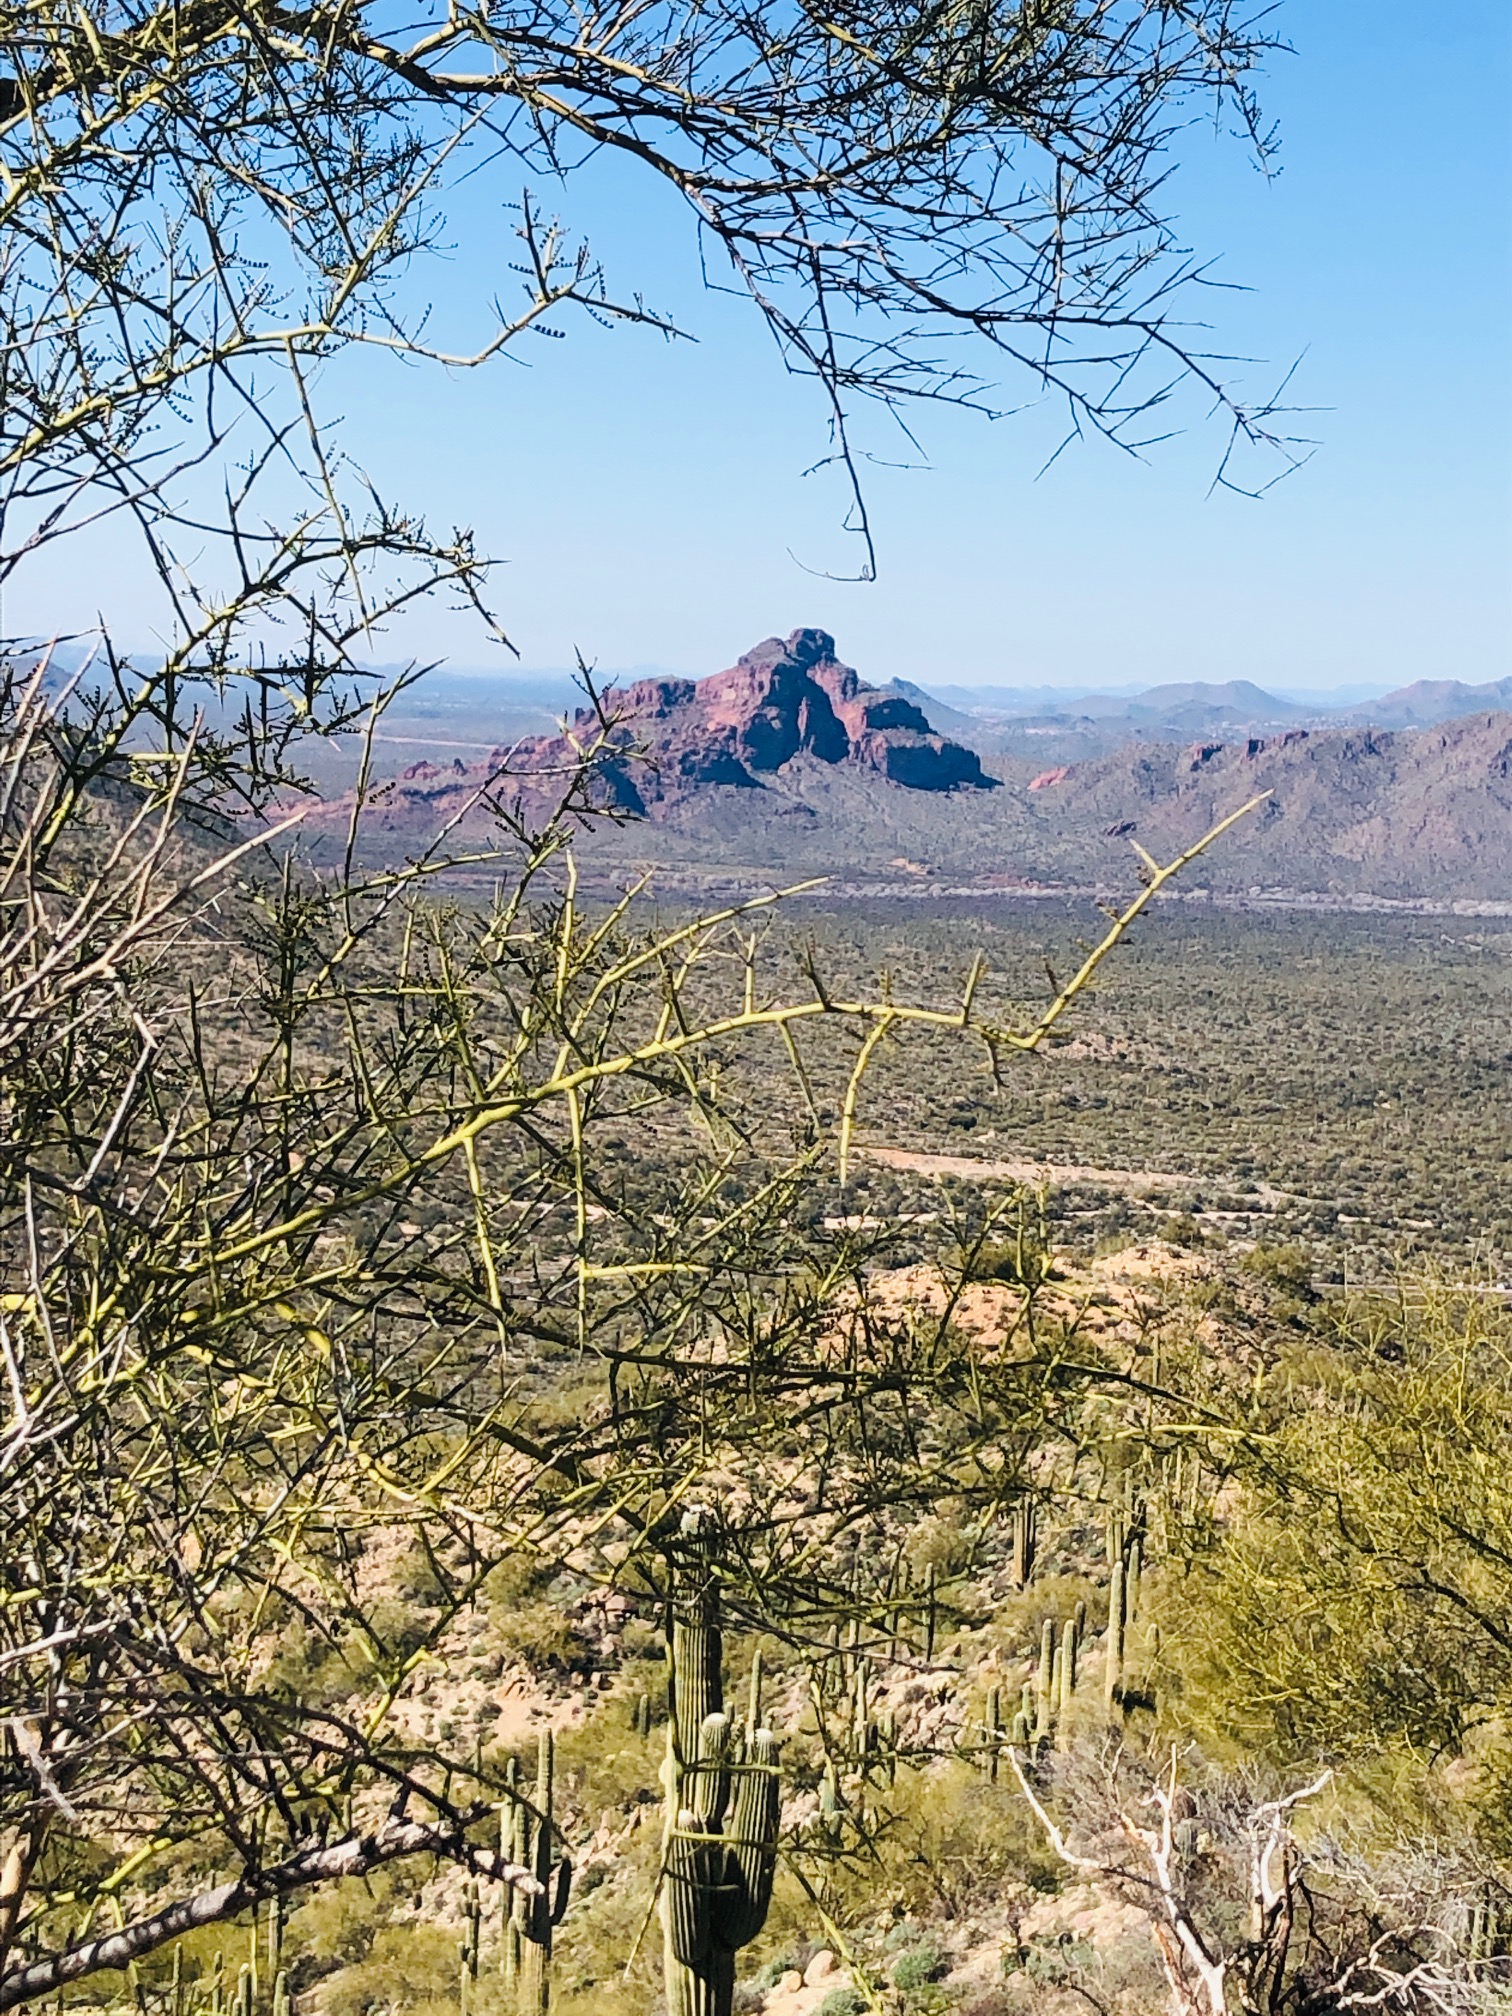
(1421, 815)
(673, 738)
(789, 762)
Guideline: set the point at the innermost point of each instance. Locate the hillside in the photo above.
(789, 761)
(1395, 814)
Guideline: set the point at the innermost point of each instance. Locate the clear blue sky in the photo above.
(649, 499)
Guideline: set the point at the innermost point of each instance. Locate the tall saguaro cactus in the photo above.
(527, 1934)
(1114, 1645)
(1025, 1531)
(717, 1877)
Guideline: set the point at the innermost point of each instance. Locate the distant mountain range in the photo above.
(998, 721)
(452, 713)
(789, 762)
(1402, 814)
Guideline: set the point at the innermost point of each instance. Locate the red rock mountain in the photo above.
(783, 699)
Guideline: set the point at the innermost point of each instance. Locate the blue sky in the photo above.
(649, 502)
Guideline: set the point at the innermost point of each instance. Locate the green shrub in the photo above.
(1053, 1965)
(1183, 1230)
(924, 1963)
(1288, 1268)
(843, 2002)
(528, 1626)
(774, 1970)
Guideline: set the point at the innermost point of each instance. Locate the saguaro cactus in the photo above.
(1044, 1682)
(1025, 1538)
(1113, 1654)
(1065, 1680)
(993, 1728)
(469, 1947)
(717, 1879)
(527, 1938)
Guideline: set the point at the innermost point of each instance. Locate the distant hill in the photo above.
(1401, 814)
(1236, 700)
(1428, 701)
(789, 761)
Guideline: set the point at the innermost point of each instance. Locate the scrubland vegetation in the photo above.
(415, 1310)
(1330, 1081)
(434, 1307)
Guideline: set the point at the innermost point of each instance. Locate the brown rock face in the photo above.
(783, 699)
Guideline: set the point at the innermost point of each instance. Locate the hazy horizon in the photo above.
(1348, 694)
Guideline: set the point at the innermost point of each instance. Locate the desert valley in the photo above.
(824, 1329)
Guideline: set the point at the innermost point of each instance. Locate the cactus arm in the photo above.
(563, 1892)
(740, 1906)
(707, 1783)
(683, 1919)
(697, 1650)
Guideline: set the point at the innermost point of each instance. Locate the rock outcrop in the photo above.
(787, 698)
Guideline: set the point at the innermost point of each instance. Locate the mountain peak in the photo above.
(784, 698)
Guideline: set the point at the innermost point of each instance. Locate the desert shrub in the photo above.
(1052, 1965)
(843, 2002)
(407, 1967)
(1183, 1230)
(1287, 1268)
(921, 1965)
(528, 1627)
(415, 1579)
(939, 1543)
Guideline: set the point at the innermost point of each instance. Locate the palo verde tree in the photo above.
(312, 1189)
(306, 1175)
(1347, 1550)
(197, 214)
